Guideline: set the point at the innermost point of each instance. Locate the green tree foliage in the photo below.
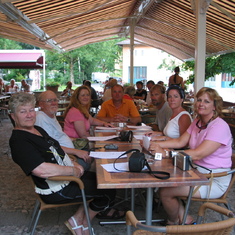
(6, 44)
(214, 65)
(169, 63)
(79, 64)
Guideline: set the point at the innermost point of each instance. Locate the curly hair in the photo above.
(74, 102)
(20, 99)
(213, 95)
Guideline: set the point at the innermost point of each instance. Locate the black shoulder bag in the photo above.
(137, 162)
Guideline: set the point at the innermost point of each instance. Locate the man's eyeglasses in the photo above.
(51, 101)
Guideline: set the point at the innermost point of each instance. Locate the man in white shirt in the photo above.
(163, 112)
(46, 118)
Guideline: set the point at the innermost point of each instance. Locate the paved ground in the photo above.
(17, 201)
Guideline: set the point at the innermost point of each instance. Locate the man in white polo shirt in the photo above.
(46, 118)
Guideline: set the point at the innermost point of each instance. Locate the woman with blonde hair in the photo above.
(129, 93)
(77, 117)
(210, 142)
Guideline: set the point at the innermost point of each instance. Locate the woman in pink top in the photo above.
(210, 142)
(77, 117)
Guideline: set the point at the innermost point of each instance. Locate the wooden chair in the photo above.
(223, 199)
(214, 228)
(41, 205)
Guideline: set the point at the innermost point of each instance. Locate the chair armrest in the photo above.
(216, 208)
(220, 174)
(131, 219)
(68, 178)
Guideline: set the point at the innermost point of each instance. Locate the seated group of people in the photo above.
(38, 141)
(12, 87)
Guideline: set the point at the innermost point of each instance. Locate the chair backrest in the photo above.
(230, 186)
(223, 198)
(41, 205)
(215, 228)
(44, 205)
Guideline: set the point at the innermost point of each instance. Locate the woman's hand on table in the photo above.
(155, 148)
(107, 124)
(153, 134)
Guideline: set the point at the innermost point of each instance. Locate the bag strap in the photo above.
(128, 151)
(156, 174)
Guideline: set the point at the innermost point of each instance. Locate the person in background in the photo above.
(78, 120)
(2, 87)
(107, 94)
(149, 85)
(94, 97)
(106, 84)
(129, 92)
(141, 93)
(180, 119)
(209, 138)
(163, 112)
(175, 79)
(12, 87)
(46, 119)
(40, 156)
(25, 86)
(160, 83)
(68, 91)
(118, 109)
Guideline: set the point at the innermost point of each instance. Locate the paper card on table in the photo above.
(107, 155)
(146, 142)
(142, 128)
(122, 166)
(139, 137)
(106, 128)
(101, 138)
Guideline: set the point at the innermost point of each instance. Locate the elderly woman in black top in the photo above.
(41, 156)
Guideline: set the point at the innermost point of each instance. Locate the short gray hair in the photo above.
(20, 99)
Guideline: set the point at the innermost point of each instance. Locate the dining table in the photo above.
(144, 180)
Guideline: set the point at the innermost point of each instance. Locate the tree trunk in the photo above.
(71, 70)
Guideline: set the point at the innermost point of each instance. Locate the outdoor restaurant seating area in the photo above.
(18, 197)
(17, 208)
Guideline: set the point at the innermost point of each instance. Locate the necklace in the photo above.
(203, 127)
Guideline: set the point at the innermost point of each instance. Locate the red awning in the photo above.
(21, 60)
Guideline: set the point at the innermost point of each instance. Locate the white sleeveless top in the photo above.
(172, 128)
